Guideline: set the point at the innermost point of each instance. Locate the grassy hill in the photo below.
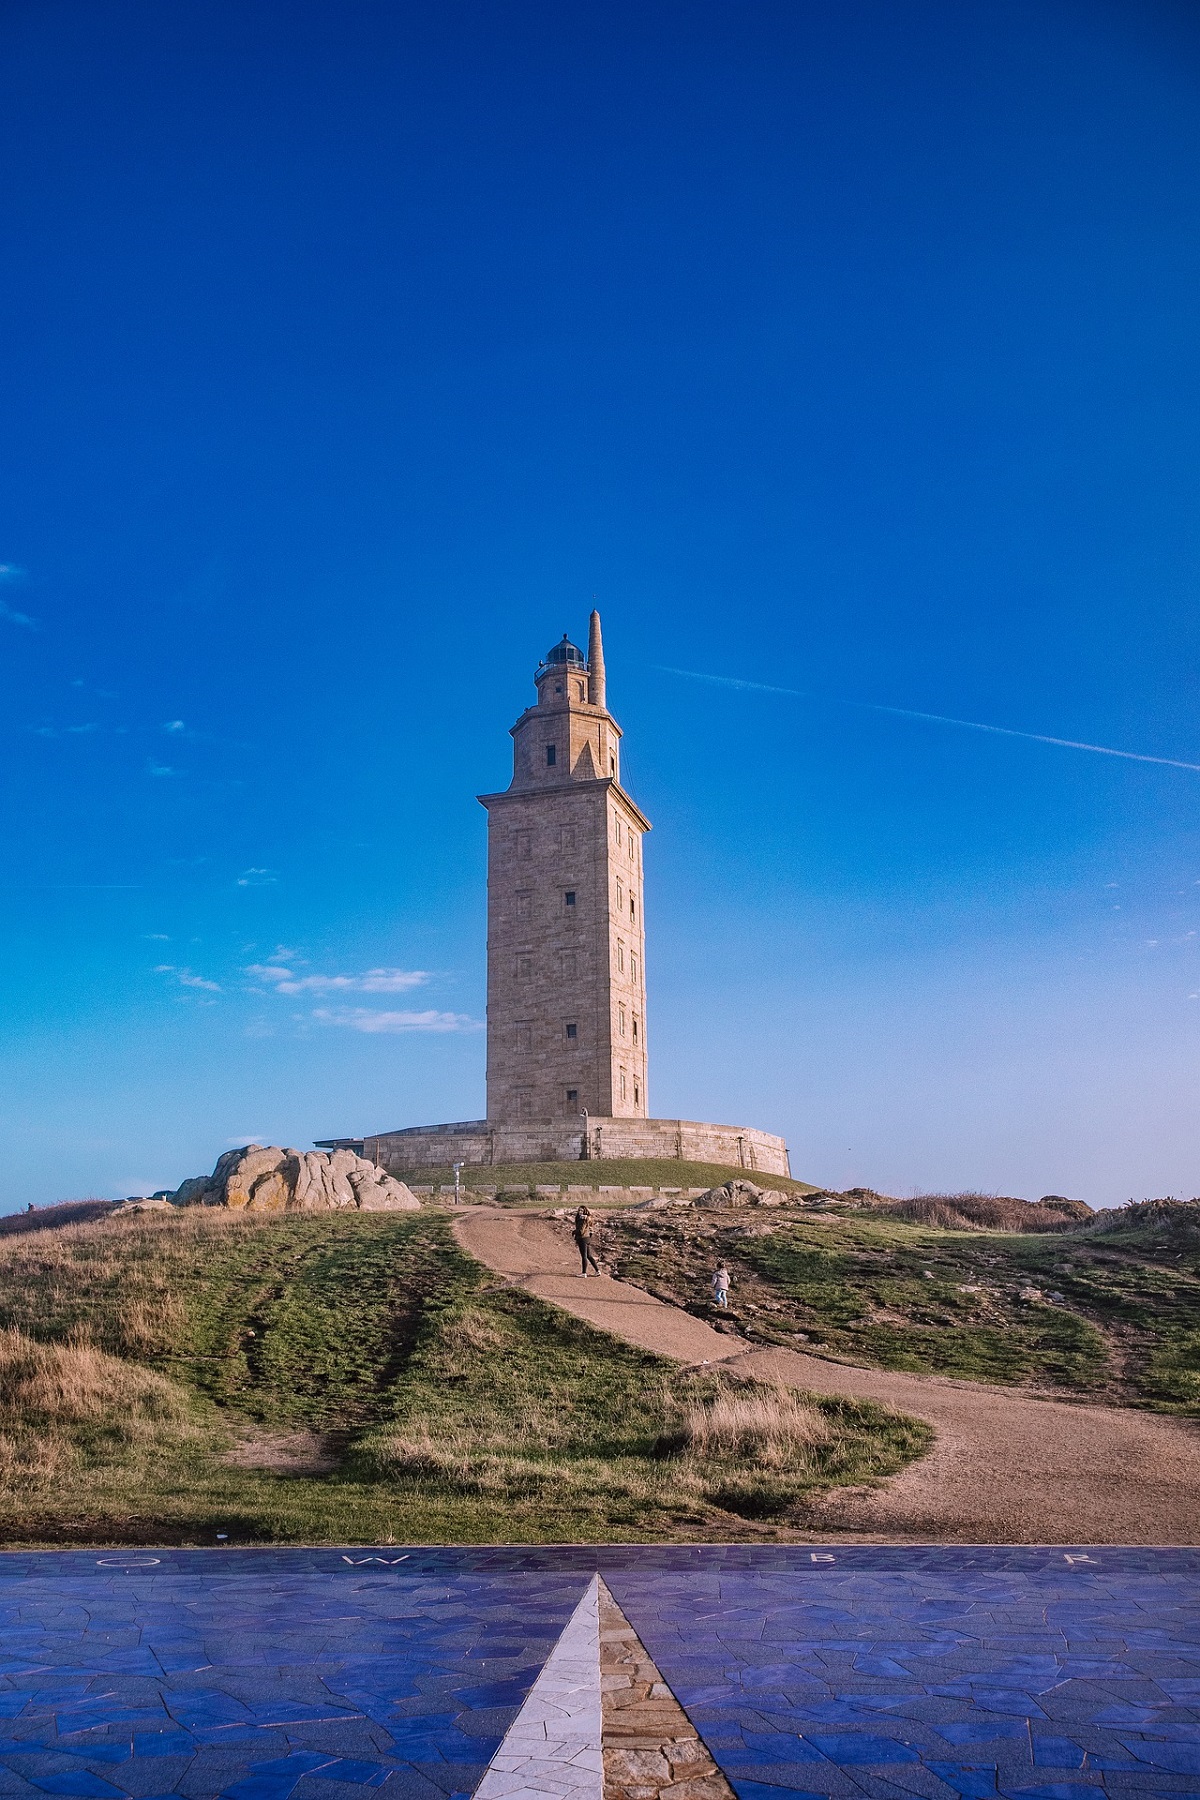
(1106, 1310)
(518, 1181)
(351, 1378)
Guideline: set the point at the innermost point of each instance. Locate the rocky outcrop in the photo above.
(737, 1192)
(269, 1179)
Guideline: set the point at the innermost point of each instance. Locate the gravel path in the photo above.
(1007, 1466)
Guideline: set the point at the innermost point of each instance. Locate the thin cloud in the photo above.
(159, 769)
(904, 712)
(374, 981)
(174, 725)
(257, 878)
(10, 615)
(188, 978)
(362, 1018)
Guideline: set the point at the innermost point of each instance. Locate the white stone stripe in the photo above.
(553, 1746)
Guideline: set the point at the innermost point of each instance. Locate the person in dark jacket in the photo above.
(585, 1227)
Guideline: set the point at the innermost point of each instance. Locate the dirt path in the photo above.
(1006, 1467)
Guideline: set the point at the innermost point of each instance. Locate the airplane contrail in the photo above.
(904, 712)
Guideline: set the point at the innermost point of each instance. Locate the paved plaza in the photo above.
(262, 1674)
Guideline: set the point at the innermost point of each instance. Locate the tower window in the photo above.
(621, 955)
(621, 1020)
(572, 1030)
(524, 1034)
(551, 755)
(617, 829)
(569, 897)
(632, 907)
(620, 893)
(635, 1028)
(622, 1084)
(524, 967)
(580, 686)
(637, 1094)
(569, 962)
(566, 837)
(558, 690)
(523, 904)
(633, 968)
(612, 765)
(524, 845)
(572, 1094)
(632, 851)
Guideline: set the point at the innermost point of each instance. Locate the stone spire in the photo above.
(595, 662)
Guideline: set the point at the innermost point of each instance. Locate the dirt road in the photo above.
(1007, 1467)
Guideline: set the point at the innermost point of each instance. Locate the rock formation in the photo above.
(255, 1179)
(737, 1192)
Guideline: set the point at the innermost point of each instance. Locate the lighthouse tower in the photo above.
(566, 957)
(566, 960)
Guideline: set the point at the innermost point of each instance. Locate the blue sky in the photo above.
(350, 350)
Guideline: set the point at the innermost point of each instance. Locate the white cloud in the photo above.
(10, 615)
(257, 878)
(374, 981)
(362, 1018)
(245, 1137)
(160, 937)
(174, 725)
(154, 768)
(187, 978)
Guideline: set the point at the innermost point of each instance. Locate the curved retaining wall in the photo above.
(479, 1141)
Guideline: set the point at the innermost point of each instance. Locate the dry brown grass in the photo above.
(769, 1428)
(75, 1383)
(150, 1324)
(987, 1212)
(65, 1404)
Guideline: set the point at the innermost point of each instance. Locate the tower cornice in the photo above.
(515, 795)
(562, 709)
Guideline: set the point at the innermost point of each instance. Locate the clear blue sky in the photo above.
(350, 349)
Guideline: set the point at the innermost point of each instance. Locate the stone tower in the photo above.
(566, 964)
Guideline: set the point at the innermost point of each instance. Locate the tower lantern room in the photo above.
(569, 735)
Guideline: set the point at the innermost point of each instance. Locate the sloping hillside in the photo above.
(349, 1378)
(1105, 1313)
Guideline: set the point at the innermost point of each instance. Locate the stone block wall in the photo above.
(477, 1141)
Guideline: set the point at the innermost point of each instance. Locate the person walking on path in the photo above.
(585, 1227)
(720, 1286)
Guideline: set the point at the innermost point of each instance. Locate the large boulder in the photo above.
(258, 1179)
(738, 1192)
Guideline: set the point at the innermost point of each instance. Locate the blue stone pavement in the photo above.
(260, 1674)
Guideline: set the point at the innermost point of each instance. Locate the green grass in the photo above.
(934, 1326)
(455, 1408)
(888, 1294)
(520, 1179)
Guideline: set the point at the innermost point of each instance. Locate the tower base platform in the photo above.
(480, 1141)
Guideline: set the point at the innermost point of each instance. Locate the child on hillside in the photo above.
(720, 1286)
